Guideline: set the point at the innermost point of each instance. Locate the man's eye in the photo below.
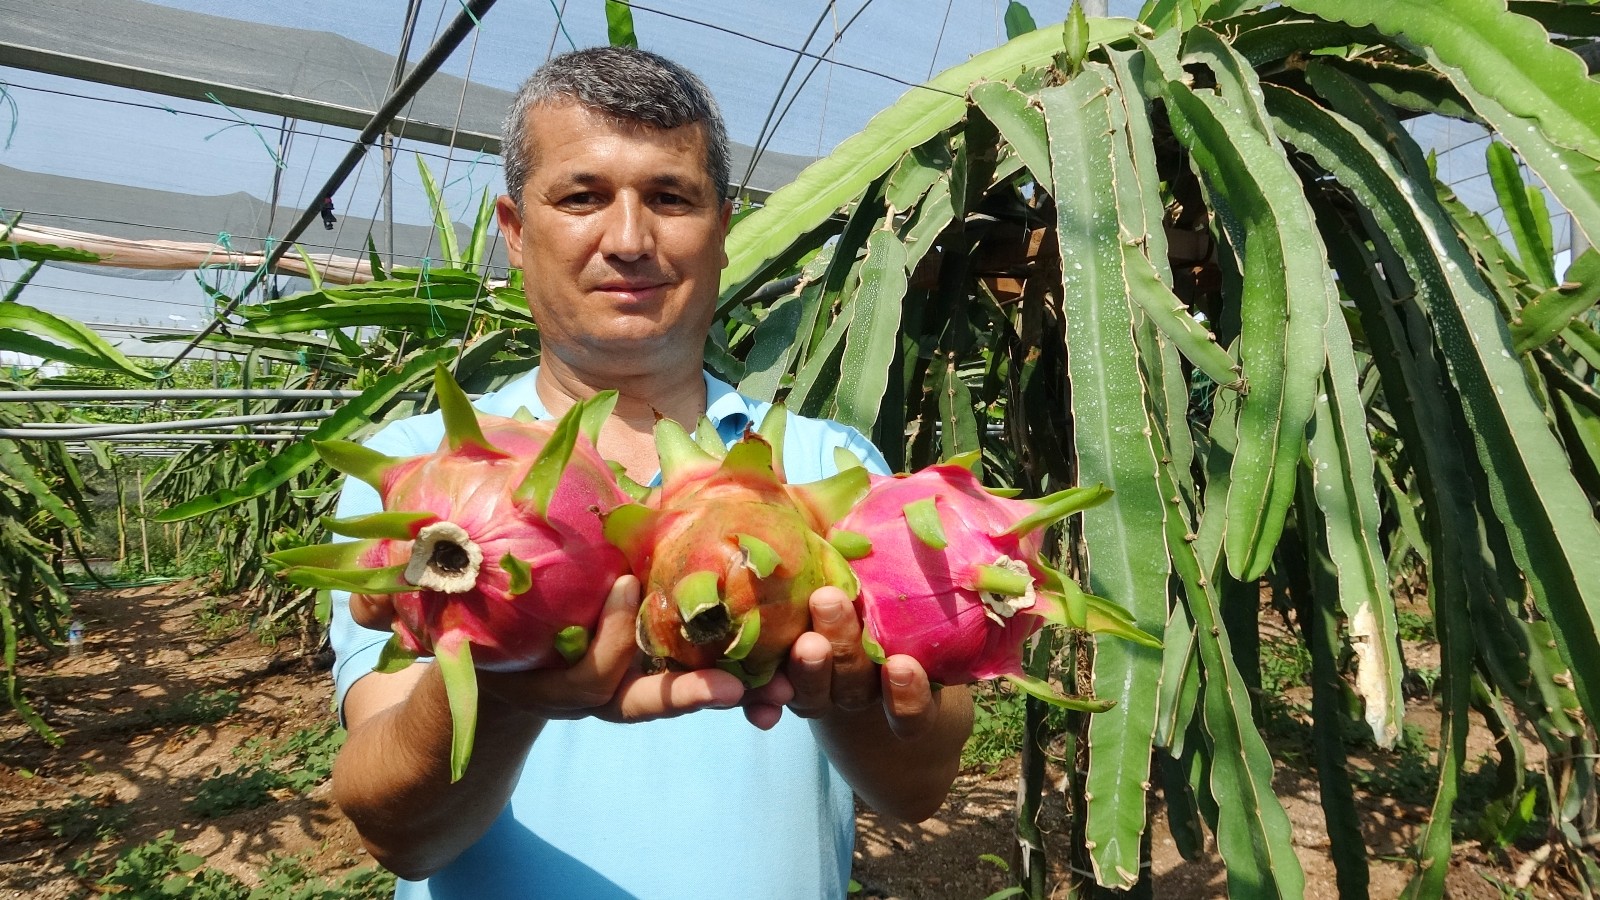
(671, 200)
(583, 198)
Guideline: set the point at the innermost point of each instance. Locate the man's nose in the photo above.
(629, 233)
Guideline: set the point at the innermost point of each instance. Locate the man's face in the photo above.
(620, 239)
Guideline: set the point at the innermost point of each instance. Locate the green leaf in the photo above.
(1344, 487)
(1507, 57)
(1075, 37)
(1018, 20)
(619, 24)
(17, 467)
(25, 329)
(478, 241)
(1020, 121)
(1195, 341)
(1551, 531)
(1286, 298)
(874, 324)
(824, 186)
(1550, 313)
(444, 229)
(38, 252)
(1035, 687)
(1529, 226)
(1125, 546)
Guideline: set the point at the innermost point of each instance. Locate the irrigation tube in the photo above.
(94, 431)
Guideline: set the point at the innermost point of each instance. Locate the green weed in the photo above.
(99, 817)
(1407, 773)
(1285, 663)
(300, 762)
(198, 708)
(235, 791)
(218, 620)
(998, 725)
(306, 755)
(162, 868)
(1413, 627)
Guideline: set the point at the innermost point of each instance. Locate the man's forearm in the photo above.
(392, 778)
(905, 778)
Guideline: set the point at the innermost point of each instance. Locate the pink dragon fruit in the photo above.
(728, 552)
(491, 547)
(951, 575)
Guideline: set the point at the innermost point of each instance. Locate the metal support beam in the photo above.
(460, 27)
(84, 68)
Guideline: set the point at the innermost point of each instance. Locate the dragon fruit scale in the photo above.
(728, 552)
(951, 575)
(490, 548)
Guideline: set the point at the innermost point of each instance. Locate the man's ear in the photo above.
(510, 219)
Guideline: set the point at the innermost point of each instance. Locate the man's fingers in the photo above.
(593, 679)
(674, 693)
(590, 683)
(908, 699)
(854, 676)
(810, 674)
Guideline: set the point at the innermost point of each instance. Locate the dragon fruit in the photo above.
(491, 547)
(728, 552)
(951, 575)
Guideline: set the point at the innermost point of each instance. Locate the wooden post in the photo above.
(122, 517)
(144, 535)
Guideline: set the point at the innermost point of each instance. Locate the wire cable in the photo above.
(838, 34)
(939, 42)
(776, 46)
(773, 109)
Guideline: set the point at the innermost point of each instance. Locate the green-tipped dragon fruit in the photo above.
(951, 575)
(490, 548)
(728, 552)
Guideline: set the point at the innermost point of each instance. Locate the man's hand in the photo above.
(392, 777)
(606, 682)
(830, 671)
(896, 740)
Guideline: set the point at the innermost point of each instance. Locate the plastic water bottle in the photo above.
(75, 638)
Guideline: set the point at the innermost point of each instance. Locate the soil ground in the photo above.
(131, 768)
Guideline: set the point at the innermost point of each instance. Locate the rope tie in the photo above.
(277, 160)
(436, 321)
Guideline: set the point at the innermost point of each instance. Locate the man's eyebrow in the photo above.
(590, 179)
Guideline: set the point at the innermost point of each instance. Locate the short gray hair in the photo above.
(629, 85)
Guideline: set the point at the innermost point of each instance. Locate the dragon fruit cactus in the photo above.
(728, 552)
(491, 547)
(951, 575)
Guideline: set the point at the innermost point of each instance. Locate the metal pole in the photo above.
(77, 396)
(452, 37)
(93, 431)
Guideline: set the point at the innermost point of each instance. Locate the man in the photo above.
(599, 780)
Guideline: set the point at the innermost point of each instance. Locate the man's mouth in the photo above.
(639, 290)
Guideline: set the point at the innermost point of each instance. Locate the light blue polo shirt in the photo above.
(703, 806)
